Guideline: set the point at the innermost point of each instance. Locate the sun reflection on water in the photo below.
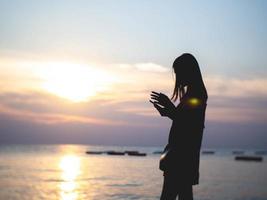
(70, 166)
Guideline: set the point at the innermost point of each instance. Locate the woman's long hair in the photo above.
(187, 71)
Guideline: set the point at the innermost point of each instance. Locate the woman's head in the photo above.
(187, 73)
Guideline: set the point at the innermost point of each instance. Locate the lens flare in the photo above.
(193, 102)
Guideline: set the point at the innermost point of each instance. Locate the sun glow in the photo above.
(70, 166)
(75, 82)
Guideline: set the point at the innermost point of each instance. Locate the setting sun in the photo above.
(75, 82)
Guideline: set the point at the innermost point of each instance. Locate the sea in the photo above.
(66, 172)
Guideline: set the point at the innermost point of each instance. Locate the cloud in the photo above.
(236, 100)
(233, 115)
(147, 67)
(49, 109)
(234, 87)
(139, 111)
(151, 67)
(55, 118)
(123, 111)
(126, 99)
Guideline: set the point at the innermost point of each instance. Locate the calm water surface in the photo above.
(65, 172)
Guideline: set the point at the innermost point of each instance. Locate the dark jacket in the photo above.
(185, 140)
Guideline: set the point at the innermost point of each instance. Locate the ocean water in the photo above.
(65, 172)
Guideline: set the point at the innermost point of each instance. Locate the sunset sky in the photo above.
(82, 71)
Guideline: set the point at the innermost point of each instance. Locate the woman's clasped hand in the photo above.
(162, 103)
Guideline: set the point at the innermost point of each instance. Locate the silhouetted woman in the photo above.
(180, 160)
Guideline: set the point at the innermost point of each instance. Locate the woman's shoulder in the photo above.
(197, 94)
(194, 99)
